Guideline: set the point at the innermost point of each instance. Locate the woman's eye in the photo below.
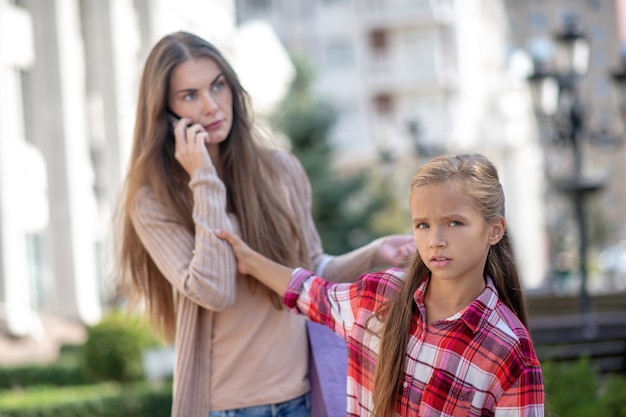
(189, 96)
(454, 223)
(421, 226)
(220, 84)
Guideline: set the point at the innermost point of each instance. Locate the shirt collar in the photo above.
(475, 314)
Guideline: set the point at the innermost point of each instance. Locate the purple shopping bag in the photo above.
(327, 372)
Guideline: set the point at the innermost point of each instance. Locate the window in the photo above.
(34, 254)
(417, 55)
(538, 22)
(378, 41)
(340, 54)
(383, 104)
(594, 4)
(258, 6)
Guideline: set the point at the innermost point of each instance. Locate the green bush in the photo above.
(103, 400)
(615, 397)
(114, 347)
(69, 354)
(577, 390)
(31, 375)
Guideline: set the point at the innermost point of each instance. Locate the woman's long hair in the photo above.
(477, 178)
(249, 174)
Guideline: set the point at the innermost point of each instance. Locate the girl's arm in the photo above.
(331, 304)
(525, 397)
(250, 262)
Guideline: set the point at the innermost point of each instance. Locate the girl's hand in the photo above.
(191, 151)
(250, 262)
(242, 251)
(395, 250)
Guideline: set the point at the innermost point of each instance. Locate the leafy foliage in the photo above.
(69, 388)
(114, 347)
(29, 375)
(101, 400)
(344, 206)
(577, 390)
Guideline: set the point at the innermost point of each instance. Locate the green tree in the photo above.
(345, 207)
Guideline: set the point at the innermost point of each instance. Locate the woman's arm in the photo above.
(199, 266)
(383, 252)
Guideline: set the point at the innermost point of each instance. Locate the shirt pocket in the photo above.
(446, 394)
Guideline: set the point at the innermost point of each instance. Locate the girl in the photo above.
(446, 337)
(197, 165)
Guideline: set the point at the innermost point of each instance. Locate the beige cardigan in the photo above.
(202, 268)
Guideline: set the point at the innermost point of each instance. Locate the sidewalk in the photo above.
(29, 350)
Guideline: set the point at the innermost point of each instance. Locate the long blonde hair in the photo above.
(478, 179)
(249, 174)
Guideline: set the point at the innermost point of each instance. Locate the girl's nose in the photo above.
(437, 241)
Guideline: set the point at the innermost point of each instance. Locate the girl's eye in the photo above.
(189, 96)
(454, 223)
(421, 226)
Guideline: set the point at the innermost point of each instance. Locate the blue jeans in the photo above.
(298, 407)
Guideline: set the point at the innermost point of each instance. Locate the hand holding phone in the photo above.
(191, 151)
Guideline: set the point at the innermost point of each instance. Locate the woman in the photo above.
(197, 165)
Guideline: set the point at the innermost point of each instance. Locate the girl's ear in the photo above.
(497, 230)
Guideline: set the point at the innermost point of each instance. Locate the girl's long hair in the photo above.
(249, 174)
(477, 178)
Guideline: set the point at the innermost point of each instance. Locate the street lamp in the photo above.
(559, 106)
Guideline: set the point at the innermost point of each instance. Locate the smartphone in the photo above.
(173, 118)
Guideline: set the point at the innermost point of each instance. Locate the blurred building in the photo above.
(389, 67)
(411, 79)
(68, 79)
(533, 25)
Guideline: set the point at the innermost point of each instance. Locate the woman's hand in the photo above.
(191, 151)
(395, 250)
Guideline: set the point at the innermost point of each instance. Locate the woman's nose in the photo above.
(209, 104)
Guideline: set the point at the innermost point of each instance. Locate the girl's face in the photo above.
(451, 236)
(198, 90)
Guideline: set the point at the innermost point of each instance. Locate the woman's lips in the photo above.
(214, 125)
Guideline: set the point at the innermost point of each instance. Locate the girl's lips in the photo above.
(439, 261)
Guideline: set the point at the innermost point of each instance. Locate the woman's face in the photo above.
(198, 91)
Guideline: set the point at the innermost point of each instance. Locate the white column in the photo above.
(126, 48)
(81, 203)
(16, 52)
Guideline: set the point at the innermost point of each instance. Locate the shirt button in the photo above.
(405, 384)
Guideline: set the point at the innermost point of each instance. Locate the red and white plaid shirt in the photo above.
(479, 362)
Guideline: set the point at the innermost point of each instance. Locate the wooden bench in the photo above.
(547, 304)
(566, 338)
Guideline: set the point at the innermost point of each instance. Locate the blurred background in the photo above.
(366, 89)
